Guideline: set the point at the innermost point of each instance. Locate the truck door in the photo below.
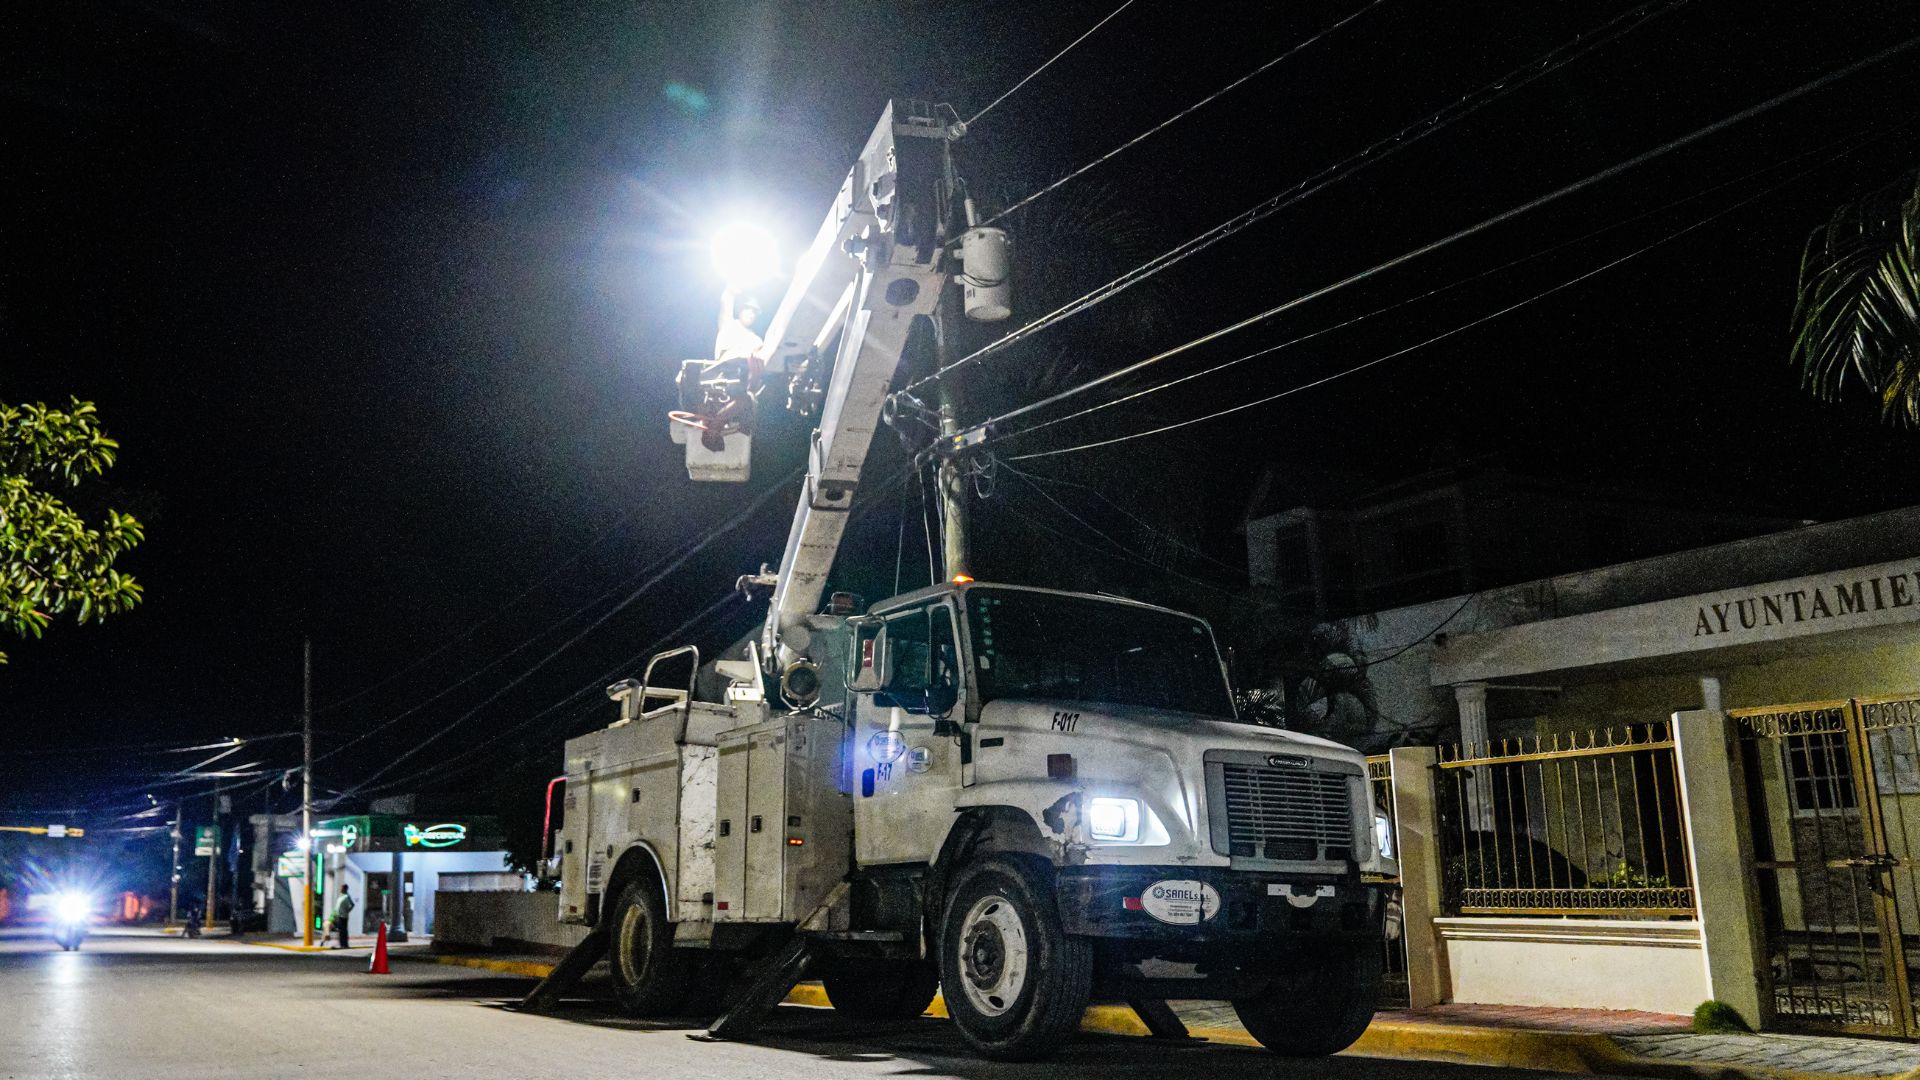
(906, 742)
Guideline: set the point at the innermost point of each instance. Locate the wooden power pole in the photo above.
(306, 789)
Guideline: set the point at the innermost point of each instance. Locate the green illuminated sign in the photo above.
(434, 836)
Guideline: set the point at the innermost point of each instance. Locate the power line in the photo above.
(1070, 45)
(598, 536)
(881, 491)
(679, 561)
(1443, 335)
(1130, 515)
(1181, 115)
(446, 769)
(971, 433)
(138, 749)
(650, 569)
(1120, 550)
(1378, 151)
(1856, 140)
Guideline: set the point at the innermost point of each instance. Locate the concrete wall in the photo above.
(502, 920)
(1653, 966)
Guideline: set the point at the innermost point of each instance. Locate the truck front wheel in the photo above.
(881, 989)
(1320, 1002)
(650, 976)
(1015, 983)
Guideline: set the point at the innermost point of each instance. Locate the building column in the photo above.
(397, 899)
(1416, 817)
(1710, 695)
(1716, 813)
(1471, 700)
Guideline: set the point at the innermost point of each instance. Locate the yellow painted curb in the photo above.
(1549, 1051)
(1109, 1019)
(1553, 1051)
(533, 969)
(288, 947)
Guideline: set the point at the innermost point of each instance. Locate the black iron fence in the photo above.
(1585, 823)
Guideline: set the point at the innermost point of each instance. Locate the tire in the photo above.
(881, 989)
(1015, 983)
(650, 976)
(1320, 1003)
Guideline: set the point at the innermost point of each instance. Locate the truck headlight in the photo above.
(1383, 836)
(1116, 820)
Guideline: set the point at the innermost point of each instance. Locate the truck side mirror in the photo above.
(872, 661)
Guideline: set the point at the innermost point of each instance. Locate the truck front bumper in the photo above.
(1252, 907)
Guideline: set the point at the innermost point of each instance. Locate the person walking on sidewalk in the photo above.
(341, 909)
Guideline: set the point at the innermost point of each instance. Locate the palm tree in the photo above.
(1858, 316)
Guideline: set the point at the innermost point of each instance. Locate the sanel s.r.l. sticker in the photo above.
(1180, 903)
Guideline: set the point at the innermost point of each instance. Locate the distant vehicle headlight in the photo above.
(1383, 836)
(72, 907)
(1113, 819)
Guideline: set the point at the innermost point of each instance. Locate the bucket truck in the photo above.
(1022, 798)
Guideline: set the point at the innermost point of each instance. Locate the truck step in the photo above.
(857, 935)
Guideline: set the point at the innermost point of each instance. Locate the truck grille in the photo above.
(1292, 814)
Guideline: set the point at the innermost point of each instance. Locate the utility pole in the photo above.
(264, 856)
(213, 863)
(173, 902)
(306, 788)
(956, 560)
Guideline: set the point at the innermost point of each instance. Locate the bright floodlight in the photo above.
(72, 907)
(745, 255)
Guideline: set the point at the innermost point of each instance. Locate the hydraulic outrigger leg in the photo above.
(772, 986)
(568, 972)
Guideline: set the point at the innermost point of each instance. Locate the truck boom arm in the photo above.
(874, 265)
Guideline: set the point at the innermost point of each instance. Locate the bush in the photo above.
(1719, 1018)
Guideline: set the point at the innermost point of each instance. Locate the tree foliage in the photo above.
(52, 561)
(1858, 314)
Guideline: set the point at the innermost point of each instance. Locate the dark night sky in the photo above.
(384, 301)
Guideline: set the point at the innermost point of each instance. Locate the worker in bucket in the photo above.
(737, 339)
(342, 908)
(732, 383)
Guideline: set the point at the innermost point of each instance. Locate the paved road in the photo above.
(138, 1005)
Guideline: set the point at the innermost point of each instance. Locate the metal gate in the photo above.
(1835, 791)
(1393, 987)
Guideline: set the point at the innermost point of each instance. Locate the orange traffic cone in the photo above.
(377, 963)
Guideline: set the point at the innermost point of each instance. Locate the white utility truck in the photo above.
(1023, 798)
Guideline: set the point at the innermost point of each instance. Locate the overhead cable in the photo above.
(594, 542)
(1857, 141)
(879, 491)
(1376, 152)
(649, 570)
(1442, 336)
(1070, 46)
(972, 433)
(728, 526)
(1181, 115)
(450, 767)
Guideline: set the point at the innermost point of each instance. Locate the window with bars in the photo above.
(1819, 774)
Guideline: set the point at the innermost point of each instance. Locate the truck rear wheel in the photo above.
(650, 976)
(1319, 1004)
(1015, 983)
(881, 989)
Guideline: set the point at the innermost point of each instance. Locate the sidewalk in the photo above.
(1583, 1041)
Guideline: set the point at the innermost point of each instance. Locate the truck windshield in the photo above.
(1041, 645)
